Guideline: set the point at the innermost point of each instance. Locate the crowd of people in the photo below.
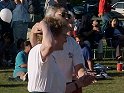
(15, 30)
(61, 60)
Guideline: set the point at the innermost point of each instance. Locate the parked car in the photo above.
(78, 11)
(118, 9)
(85, 8)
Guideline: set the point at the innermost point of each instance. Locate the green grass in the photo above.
(7, 86)
(113, 85)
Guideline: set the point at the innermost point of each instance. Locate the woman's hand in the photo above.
(37, 29)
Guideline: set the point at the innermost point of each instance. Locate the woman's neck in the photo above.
(114, 26)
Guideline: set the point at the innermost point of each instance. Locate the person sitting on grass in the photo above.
(86, 52)
(21, 61)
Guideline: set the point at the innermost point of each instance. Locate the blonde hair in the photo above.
(56, 25)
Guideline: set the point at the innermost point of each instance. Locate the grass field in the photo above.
(113, 85)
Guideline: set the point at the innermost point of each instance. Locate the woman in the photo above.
(115, 36)
(43, 72)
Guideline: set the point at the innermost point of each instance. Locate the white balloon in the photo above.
(6, 15)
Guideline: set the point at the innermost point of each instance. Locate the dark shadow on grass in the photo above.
(99, 83)
(116, 74)
(6, 68)
(13, 85)
(109, 63)
(6, 71)
(105, 59)
(105, 79)
(103, 83)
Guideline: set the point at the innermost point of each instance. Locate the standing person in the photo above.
(43, 72)
(20, 20)
(4, 26)
(104, 12)
(70, 57)
(21, 61)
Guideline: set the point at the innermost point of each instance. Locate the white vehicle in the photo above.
(118, 7)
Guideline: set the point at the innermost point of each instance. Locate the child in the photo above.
(21, 61)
